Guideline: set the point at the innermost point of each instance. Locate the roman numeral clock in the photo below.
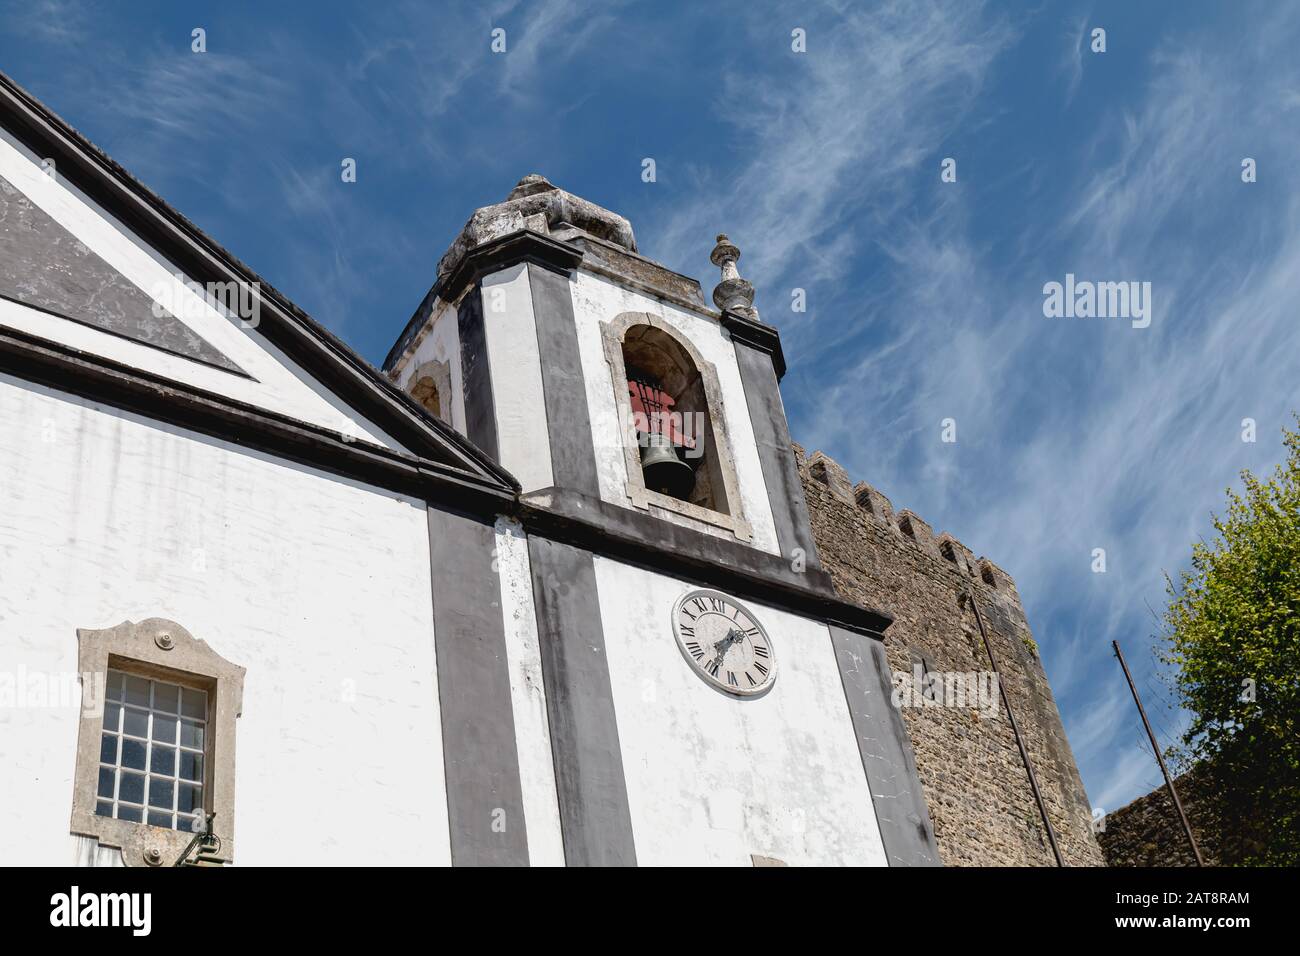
(724, 643)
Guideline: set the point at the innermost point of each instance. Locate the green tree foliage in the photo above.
(1233, 637)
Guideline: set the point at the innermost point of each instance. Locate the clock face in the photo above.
(724, 643)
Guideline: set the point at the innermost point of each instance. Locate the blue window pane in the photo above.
(163, 760)
(132, 753)
(134, 814)
(191, 735)
(157, 819)
(166, 697)
(112, 716)
(164, 728)
(104, 808)
(191, 766)
(137, 691)
(194, 703)
(105, 782)
(135, 722)
(190, 798)
(130, 788)
(108, 749)
(161, 792)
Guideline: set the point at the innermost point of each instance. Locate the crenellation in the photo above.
(998, 580)
(919, 531)
(873, 502)
(832, 474)
(956, 552)
(972, 774)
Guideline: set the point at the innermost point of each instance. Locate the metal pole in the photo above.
(1169, 781)
(1015, 729)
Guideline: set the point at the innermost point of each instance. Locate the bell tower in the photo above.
(604, 382)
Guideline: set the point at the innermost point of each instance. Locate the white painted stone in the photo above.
(440, 343)
(318, 585)
(596, 300)
(713, 778)
(523, 438)
(528, 697)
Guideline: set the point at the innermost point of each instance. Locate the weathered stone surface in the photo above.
(975, 783)
(1148, 832)
(536, 204)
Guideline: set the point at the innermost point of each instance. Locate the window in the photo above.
(676, 447)
(151, 756)
(156, 742)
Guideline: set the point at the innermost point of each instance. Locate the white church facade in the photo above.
(541, 591)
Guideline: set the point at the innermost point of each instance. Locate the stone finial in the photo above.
(530, 185)
(732, 294)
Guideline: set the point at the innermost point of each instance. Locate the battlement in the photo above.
(971, 765)
(906, 524)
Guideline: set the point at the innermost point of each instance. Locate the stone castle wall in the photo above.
(1147, 832)
(975, 782)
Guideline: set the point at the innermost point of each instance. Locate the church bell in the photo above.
(661, 463)
(664, 470)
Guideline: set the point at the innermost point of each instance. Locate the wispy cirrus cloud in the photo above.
(826, 132)
(1075, 38)
(1073, 434)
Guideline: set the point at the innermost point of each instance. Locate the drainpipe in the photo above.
(1015, 729)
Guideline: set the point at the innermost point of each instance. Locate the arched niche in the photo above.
(640, 345)
(431, 387)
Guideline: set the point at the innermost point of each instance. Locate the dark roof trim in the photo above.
(640, 539)
(317, 350)
(501, 253)
(758, 335)
(588, 523)
(103, 380)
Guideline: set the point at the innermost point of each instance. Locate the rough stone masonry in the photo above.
(976, 785)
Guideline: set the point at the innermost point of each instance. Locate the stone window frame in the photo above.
(159, 649)
(642, 497)
(613, 333)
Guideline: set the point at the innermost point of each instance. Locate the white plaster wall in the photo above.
(528, 697)
(523, 438)
(597, 300)
(713, 778)
(277, 383)
(317, 585)
(441, 343)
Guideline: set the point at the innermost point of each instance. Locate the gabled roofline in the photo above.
(325, 356)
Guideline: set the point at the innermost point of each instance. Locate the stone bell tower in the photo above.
(658, 490)
(602, 380)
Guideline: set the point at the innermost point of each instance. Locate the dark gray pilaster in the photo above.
(475, 375)
(589, 780)
(772, 435)
(886, 752)
(573, 457)
(478, 724)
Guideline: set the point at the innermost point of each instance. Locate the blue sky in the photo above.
(924, 298)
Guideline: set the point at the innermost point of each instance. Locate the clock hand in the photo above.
(733, 637)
